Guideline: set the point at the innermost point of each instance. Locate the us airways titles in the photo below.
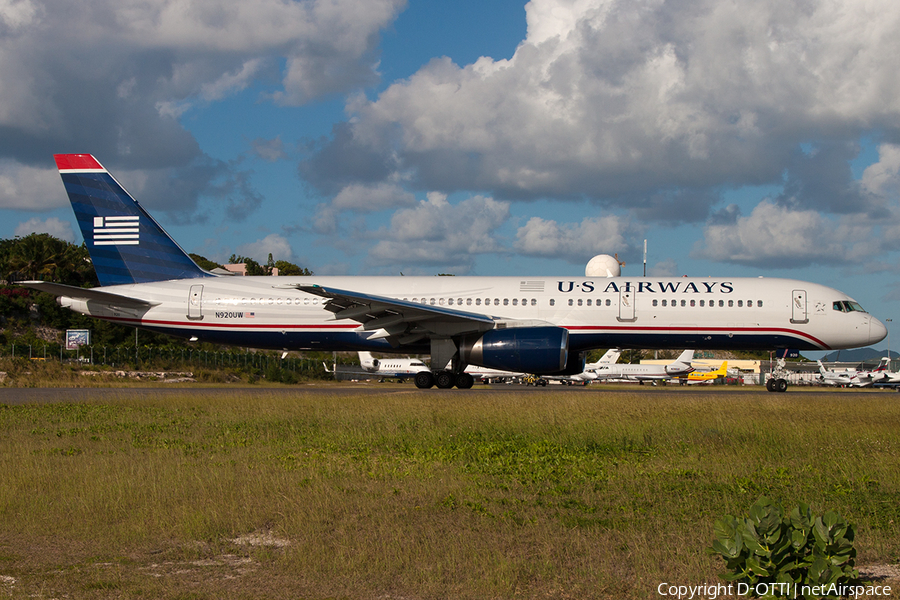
(662, 287)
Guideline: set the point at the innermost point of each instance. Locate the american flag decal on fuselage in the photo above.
(116, 231)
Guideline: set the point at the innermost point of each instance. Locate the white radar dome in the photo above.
(603, 265)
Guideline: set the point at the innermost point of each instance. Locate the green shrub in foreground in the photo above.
(799, 549)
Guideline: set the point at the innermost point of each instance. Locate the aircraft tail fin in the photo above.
(367, 361)
(125, 243)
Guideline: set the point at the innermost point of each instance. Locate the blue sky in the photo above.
(385, 136)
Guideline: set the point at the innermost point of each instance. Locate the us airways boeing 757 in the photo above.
(540, 325)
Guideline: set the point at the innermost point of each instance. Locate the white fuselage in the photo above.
(724, 313)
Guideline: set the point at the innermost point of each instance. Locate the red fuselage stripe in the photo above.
(572, 328)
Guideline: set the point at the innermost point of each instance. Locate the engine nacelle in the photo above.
(536, 350)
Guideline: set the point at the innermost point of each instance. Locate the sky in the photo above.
(739, 138)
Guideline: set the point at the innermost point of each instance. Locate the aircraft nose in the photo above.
(877, 331)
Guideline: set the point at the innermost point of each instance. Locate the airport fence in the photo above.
(266, 364)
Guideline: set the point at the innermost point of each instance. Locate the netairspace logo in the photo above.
(778, 590)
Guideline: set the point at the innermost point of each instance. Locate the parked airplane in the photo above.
(541, 325)
(486, 375)
(849, 378)
(679, 367)
(704, 376)
(883, 376)
(589, 373)
(391, 368)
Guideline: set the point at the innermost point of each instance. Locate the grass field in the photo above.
(218, 493)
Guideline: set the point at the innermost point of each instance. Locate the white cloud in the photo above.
(608, 98)
(273, 244)
(369, 198)
(54, 226)
(777, 236)
(438, 233)
(107, 72)
(883, 178)
(30, 188)
(576, 242)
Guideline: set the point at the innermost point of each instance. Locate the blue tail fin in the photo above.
(125, 243)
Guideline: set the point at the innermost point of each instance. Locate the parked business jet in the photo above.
(589, 373)
(540, 325)
(849, 378)
(679, 367)
(883, 376)
(391, 368)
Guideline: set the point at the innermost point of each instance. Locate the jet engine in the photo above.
(536, 350)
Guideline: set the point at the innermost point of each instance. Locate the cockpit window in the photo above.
(847, 306)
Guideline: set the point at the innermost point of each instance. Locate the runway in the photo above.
(24, 396)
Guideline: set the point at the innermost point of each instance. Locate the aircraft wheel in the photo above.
(445, 380)
(770, 385)
(424, 380)
(464, 381)
(781, 385)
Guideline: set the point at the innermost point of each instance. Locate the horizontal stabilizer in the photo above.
(87, 294)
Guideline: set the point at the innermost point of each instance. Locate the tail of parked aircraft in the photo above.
(125, 243)
(367, 361)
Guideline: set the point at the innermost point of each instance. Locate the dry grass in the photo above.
(413, 494)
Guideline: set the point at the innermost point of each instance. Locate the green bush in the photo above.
(799, 549)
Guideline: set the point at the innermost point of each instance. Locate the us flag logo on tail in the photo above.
(116, 231)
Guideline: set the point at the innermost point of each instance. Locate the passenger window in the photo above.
(477, 301)
(702, 303)
(468, 302)
(496, 301)
(534, 301)
(730, 303)
(684, 303)
(515, 301)
(608, 302)
(506, 302)
(432, 302)
(693, 302)
(740, 303)
(450, 301)
(552, 302)
(571, 302)
(721, 304)
(655, 302)
(441, 301)
(759, 303)
(588, 301)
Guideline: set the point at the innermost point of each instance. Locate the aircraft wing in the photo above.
(399, 321)
(87, 294)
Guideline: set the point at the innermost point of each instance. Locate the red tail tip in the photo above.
(76, 162)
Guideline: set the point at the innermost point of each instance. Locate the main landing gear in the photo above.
(777, 385)
(444, 380)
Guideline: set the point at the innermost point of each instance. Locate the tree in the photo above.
(42, 256)
(286, 268)
(253, 267)
(203, 262)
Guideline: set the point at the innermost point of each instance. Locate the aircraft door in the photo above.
(195, 303)
(798, 307)
(626, 304)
